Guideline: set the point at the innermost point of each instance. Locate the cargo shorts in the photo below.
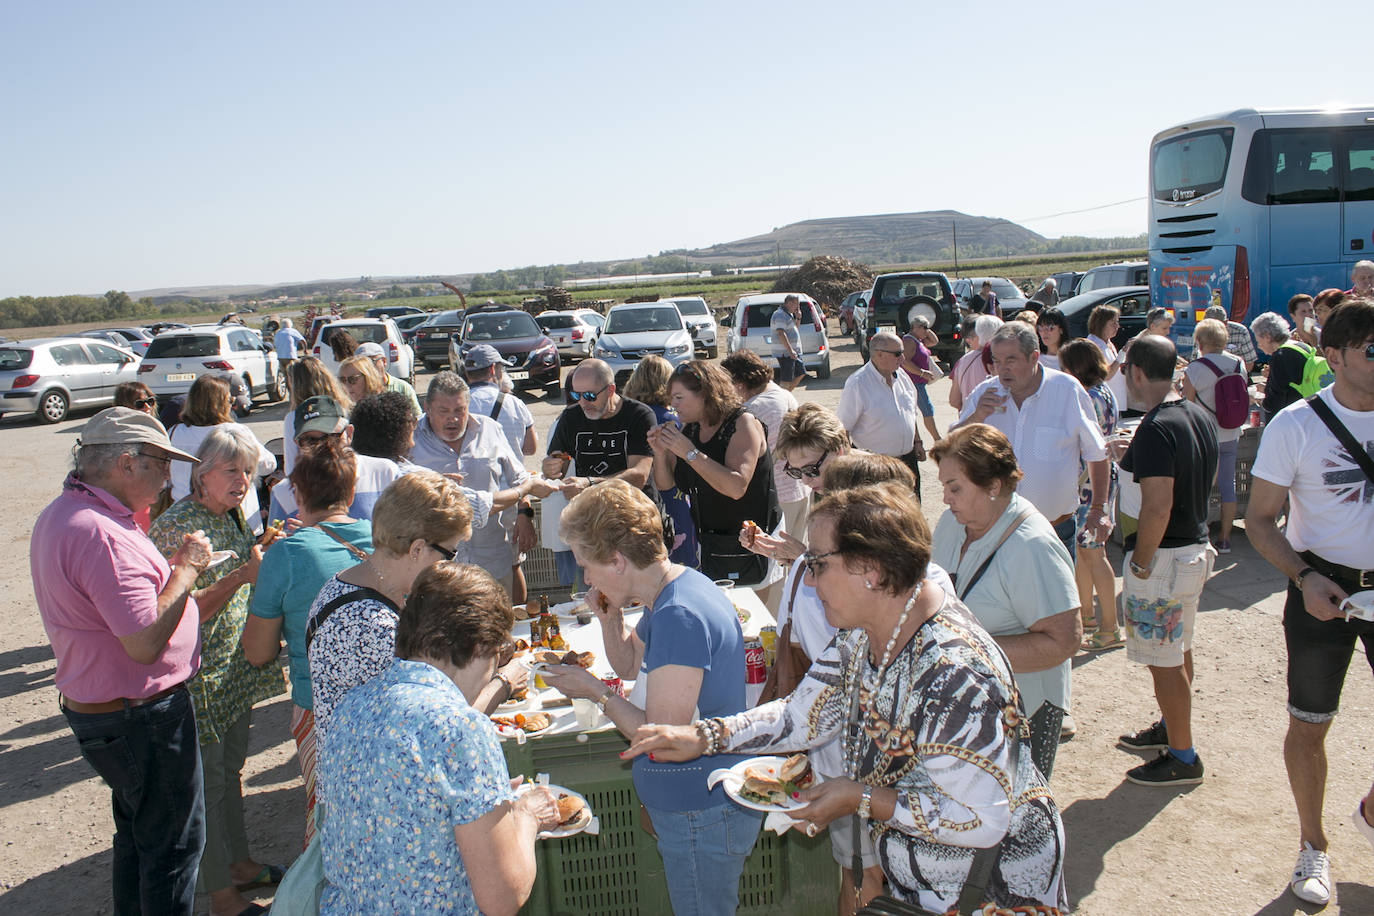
(1159, 612)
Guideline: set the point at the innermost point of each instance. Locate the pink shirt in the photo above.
(97, 577)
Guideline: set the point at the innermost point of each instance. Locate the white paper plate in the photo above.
(576, 826)
(219, 556)
(511, 731)
(735, 778)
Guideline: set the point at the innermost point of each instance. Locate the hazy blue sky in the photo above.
(158, 144)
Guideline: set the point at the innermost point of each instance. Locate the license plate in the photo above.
(440, 335)
(519, 375)
(891, 329)
(181, 377)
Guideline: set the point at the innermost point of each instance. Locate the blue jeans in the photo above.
(703, 855)
(149, 756)
(923, 401)
(1065, 532)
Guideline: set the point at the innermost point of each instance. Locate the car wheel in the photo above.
(242, 410)
(278, 390)
(52, 407)
(824, 371)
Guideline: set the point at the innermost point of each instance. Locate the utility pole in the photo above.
(955, 226)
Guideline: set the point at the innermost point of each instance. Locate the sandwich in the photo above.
(571, 810)
(795, 773)
(762, 791)
(750, 532)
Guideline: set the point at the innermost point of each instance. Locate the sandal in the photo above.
(1104, 639)
(270, 876)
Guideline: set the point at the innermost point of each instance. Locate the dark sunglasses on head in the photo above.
(806, 470)
(588, 395)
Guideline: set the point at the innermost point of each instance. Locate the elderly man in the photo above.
(1173, 456)
(878, 406)
(374, 352)
(481, 366)
(1052, 426)
(787, 343)
(1047, 296)
(1239, 343)
(606, 434)
(288, 342)
(125, 632)
(1324, 552)
(452, 439)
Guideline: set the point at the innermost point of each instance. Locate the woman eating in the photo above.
(422, 817)
(209, 406)
(226, 687)
(685, 654)
(924, 703)
(1012, 572)
(1053, 329)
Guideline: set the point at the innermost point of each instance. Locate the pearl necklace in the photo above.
(852, 736)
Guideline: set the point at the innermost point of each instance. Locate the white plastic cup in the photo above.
(586, 712)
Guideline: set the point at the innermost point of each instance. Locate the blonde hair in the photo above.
(373, 383)
(614, 517)
(648, 384)
(421, 506)
(1211, 334)
(309, 378)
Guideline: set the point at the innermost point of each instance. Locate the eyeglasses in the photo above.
(888, 352)
(588, 395)
(806, 470)
(311, 439)
(812, 561)
(350, 379)
(150, 456)
(146, 402)
(444, 552)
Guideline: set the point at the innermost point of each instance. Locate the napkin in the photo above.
(777, 821)
(593, 826)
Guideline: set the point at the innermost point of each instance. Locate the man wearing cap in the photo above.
(485, 398)
(125, 631)
(1238, 340)
(374, 352)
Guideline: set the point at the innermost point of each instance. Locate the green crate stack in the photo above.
(619, 872)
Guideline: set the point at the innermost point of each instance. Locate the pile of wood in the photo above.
(825, 278)
(558, 298)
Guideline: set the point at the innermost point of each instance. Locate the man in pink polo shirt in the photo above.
(126, 635)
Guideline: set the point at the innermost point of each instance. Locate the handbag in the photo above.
(791, 664)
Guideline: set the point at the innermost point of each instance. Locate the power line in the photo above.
(1032, 219)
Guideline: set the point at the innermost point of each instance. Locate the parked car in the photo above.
(135, 340)
(400, 359)
(698, 315)
(407, 325)
(158, 327)
(1067, 282)
(1010, 298)
(1122, 273)
(750, 329)
(635, 330)
(432, 336)
(175, 359)
(519, 339)
(1132, 301)
(573, 331)
(50, 376)
(890, 303)
(392, 311)
(848, 326)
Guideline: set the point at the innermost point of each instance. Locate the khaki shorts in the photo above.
(1160, 611)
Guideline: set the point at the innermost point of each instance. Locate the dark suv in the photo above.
(895, 295)
(432, 337)
(519, 339)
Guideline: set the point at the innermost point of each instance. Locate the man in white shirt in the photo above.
(878, 406)
(787, 343)
(485, 398)
(1324, 551)
(288, 343)
(1051, 424)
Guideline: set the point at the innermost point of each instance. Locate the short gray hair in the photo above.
(886, 337)
(1019, 332)
(287, 323)
(598, 369)
(223, 445)
(446, 384)
(918, 321)
(1271, 325)
(1216, 313)
(985, 326)
(94, 462)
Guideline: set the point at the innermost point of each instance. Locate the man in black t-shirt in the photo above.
(606, 434)
(1169, 558)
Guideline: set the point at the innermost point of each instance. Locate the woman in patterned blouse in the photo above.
(929, 755)
(227, 686)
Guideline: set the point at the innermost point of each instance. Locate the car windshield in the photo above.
(15, 358)
(555, 322)
(1004, 289)
(632, 321)
(183, 345)
(692, 307)
(362, 333)
(500, 326)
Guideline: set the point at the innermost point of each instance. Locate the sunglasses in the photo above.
(146, 402)
(350, 379)
(812, 561)
(151, 457)
(888, 352)
(588, 395)
(444, 552)
(806, 470)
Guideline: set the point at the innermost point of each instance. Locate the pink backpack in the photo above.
(1231, 395)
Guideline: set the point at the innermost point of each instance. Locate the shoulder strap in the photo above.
(357, 552)
(313, 626)
(1208, 363)
(983, 567)
(496, 408)
(1343, 435)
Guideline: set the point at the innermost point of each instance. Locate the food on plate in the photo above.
(750, 532)
(521, 646)
(557, 642)
(527, 722)
(519, 696)
(585, 659)
(763, 791)
(795, 773)
(571, 810)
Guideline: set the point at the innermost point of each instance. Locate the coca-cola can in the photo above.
(755, 671)
(616, 684)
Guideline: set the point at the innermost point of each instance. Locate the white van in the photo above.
(750, 329)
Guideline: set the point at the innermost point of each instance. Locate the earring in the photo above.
(868, 585)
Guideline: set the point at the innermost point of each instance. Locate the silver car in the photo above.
(636, 330)
(49, 376)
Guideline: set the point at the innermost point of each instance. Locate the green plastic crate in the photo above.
(619, 872)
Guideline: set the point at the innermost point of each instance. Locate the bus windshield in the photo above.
(1191, 165)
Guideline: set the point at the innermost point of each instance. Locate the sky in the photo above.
(152, 145)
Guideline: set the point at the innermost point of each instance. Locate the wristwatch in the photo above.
(1142, 571)
(692, 455)
(1302, 574)
(866, 804)
(527, 511)
(605, 698)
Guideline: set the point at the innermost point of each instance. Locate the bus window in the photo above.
(1299, 166)
(1192, 165)
(1359, 177)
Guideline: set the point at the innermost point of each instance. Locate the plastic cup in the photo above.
(586, 712)
(725, 583)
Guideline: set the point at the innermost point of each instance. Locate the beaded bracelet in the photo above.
(705, 733)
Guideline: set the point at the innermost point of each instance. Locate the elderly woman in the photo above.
(290, 577)
(360, 377)
(1054, 332)
(1092, 572)
(685, 654)
(1287, 360)
(975, 365)
(1012, 571)
(384, 427)
(422, 816)
(720, 459)
(648, 385)
(309, 378)
(1199, 386)
(918, 363)
(226, 687)
(924, 703)
(209, 406)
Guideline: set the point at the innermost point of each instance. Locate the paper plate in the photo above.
(511, 731)
(219, 556)
(734, 778)
(576, 826)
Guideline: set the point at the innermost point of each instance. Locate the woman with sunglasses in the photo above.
(360, 378)
(923, 703)
(138, 396)
(307, 378)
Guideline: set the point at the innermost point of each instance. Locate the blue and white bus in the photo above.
(1252, 207)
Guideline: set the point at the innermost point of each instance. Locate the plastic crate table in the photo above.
(619, 872)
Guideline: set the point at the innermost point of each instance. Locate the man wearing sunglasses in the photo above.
(1324, 551)
(606, 434)
(878, 406)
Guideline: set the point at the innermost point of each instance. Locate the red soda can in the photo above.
(755, 671)
(617, 686)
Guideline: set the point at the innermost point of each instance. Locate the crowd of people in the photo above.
(928, 675)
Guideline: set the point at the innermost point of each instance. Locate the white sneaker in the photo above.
(1312, 875)
(1361, 824)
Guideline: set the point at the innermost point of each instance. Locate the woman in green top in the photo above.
(226, 687)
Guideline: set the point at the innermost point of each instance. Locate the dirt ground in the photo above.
(1225, 846)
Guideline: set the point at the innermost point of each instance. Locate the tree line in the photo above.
(41, 311)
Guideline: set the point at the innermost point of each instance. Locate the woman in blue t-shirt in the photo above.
(686, 656)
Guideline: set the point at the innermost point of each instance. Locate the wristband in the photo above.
(510, 688)
(527, 511)
(866, 804)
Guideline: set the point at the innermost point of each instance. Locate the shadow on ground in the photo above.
(1098, 824)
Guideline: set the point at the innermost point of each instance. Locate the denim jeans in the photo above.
(703, 855)
(149, 756)
(1065, 532)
